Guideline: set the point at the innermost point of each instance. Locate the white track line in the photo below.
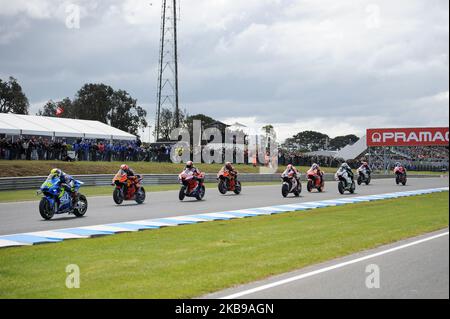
(326, 269)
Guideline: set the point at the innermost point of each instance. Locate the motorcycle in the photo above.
(364, 177)
(346, 183)
(315, 182)
(128, 188)
(49, 206)
(192, 186)
(228, 183)
(400, 176)
(290, 185)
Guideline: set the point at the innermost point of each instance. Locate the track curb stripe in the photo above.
(55, 236)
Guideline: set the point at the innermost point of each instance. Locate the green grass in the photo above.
(30, 195)
(190, 261)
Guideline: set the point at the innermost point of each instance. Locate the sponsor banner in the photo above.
(435, 136)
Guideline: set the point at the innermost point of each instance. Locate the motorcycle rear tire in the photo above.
(45, 210)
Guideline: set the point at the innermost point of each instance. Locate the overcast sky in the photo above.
(334, 66)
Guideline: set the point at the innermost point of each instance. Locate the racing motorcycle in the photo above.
(290, 185)
(128, 188)
(51, 190)
(314, 182)
(192, 186)
(346, 182)
(400, 176)
(228, 183)
(364, 176)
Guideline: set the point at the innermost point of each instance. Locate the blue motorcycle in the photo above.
(52, 190)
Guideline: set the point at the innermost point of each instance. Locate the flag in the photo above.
(59, 111)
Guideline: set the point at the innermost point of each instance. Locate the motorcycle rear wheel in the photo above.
(45, 209)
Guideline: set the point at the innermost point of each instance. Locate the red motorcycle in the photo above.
(228, 183)
(400, 176)
(128, 188)
(315, 181)
(192, 186)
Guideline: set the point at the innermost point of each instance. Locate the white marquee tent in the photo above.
(15, 125)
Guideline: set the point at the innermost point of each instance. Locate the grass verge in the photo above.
(30, 195)
(190, 261)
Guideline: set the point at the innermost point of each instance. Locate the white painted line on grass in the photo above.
(326, 269)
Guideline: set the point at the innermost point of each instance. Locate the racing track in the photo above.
(24, 217)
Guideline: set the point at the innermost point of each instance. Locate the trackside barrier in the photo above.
(22, 183)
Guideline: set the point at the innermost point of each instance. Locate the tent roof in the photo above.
(14, 124)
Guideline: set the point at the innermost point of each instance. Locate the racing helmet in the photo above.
(289, 167)
(315, 166)
(345, 165)
(189, 164)
(124, 167)
(228, 165)
(56, 172)
(398, 164)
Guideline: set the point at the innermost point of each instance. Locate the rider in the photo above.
(230, 169)
(126, 170)
(191, 169)
(399, 168)
(315, 170)
(295, 173)
(346, 172)
(365, 167)
(67, 182)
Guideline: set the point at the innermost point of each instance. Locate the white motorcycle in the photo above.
(346, 182)
(364, 176)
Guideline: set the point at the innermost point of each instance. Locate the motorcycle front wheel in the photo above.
(182, 193)
(82, 204)
(201, 193)
(45, 209)
(118, 196)
(285, 190)
(223, 189)
(341, 188)
(238, 188)
(140, 196)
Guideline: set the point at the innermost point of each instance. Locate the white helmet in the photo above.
(345, 165)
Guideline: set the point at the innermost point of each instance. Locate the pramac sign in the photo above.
(436, 136)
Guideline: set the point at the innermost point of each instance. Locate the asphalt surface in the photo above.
(24, 217)
(416, 272)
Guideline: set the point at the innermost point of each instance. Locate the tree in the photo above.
(93, 102)
(12, 99)
(125, 114)
(167, 123)
(309, 141)
(340, 142)
(50, 108)
(99, 102)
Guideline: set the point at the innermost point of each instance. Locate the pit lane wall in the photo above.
(23, 183)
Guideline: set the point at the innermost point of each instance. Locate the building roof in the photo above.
(14, 124)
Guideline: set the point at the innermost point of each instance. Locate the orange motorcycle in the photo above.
(128, 188)
(228, 183)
